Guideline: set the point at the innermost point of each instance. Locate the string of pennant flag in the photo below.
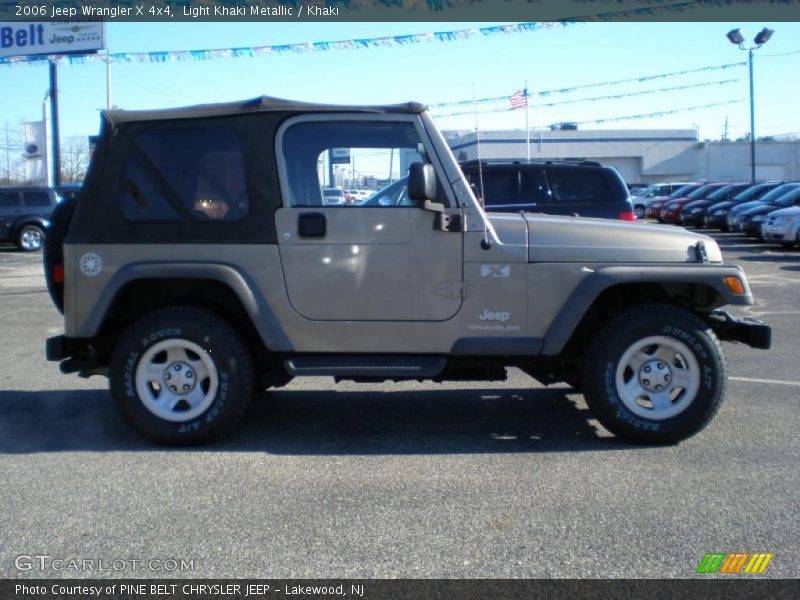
(300, 48)
(519, 99)
(575, 88)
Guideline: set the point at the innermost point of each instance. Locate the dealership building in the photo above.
(640, 155)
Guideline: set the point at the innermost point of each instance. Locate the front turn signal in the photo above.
(734, 284)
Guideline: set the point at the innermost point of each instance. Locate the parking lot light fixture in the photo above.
(735, 36)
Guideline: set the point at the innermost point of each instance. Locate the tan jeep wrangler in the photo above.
(200, 263)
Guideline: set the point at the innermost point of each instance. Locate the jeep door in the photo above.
(381, 259)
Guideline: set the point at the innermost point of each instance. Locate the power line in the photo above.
(781, 53)
(595, 98)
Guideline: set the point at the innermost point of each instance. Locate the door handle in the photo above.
(312, 225)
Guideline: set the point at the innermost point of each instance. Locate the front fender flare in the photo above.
(582, 298)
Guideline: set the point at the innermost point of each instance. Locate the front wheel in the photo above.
(181, 375)
(656, 374)
(640, 211)
(30, 238)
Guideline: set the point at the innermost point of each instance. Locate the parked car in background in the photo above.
(752, 219)
(654, 208)
(734, 220)
(717, 214)
(333, 196)
(356, 196)
(694, 212)
(646, 195)
(24, 213)
(782, 226)
(670, 212)
(586, 189)
(68, 191)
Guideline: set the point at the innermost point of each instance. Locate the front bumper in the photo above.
(779, 233)
(752, 332)
(752, 227)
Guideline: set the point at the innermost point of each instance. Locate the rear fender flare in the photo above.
(261, 315)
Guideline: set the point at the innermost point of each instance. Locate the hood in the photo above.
(578, 239)
(761, 209)
(720, 206)
(792, 211)
(746, 206)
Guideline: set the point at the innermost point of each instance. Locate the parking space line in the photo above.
(775, 381)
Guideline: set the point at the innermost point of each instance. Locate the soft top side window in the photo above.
(184, 174)
(322, 159)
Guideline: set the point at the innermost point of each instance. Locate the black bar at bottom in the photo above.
(731, 588)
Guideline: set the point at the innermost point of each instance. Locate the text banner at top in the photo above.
(398, 10)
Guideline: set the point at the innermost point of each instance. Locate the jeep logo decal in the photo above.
(494, 315)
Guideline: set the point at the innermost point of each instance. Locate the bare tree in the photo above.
(74, 159)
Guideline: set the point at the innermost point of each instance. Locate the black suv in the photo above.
(587, 189)
(24, 213)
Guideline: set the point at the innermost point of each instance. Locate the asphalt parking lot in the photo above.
(402, 480)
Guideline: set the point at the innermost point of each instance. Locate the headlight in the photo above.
(694, 211)
(758, 218)
(721, 212)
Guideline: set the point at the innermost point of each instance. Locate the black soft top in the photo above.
(254, 105)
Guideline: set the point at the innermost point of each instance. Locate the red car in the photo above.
(671, 211)
(657, 204)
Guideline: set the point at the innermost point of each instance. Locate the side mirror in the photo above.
(421, 182)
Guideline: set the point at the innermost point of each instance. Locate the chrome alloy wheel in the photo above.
(657, 377)
(176, 380)
(31, 239)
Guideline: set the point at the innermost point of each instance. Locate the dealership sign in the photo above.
(340, 156)
(24, 39)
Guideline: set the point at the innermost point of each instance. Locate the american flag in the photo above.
(519, 99)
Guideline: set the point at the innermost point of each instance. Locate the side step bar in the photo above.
(366, 366)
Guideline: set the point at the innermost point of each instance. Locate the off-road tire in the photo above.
(637, 323)
(54, 248)
(223, 345)
(30, 228)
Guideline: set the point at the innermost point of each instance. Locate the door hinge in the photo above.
(452, 289)
(448, 222)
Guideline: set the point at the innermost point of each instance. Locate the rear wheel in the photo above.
(30, 238)
(656, 374)
(181, 375)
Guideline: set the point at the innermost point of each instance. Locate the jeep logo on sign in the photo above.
(494, 315)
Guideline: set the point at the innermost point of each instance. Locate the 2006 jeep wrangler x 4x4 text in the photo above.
(200, 264)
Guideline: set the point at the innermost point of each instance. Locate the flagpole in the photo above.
(527, 126)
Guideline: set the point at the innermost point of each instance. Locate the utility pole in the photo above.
(725, 135)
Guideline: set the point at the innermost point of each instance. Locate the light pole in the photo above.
(735, 36)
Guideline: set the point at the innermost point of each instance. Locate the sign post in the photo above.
(56, 154)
